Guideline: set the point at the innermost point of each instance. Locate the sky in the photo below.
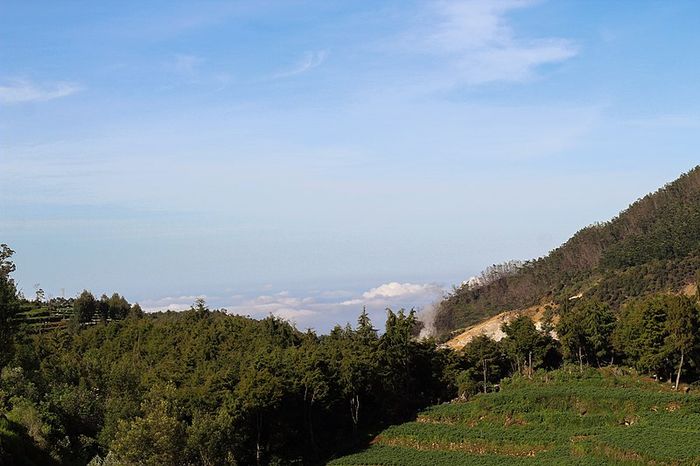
(308, 158)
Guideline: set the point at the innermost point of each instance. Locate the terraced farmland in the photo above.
(39, 317)
(561, 417)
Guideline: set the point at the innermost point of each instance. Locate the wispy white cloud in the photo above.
(516, 63)
(185, 64)
(176, 19)
(477, 41)
(666, 121)
(309, 61)
(20, 90)
(192, 70)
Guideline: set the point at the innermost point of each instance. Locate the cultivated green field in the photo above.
(560, 417)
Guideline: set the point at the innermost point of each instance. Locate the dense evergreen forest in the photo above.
(653, 246)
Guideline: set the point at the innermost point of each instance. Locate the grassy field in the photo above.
(562, 417)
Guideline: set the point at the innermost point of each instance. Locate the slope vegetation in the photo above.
(561, 417)
(17, 448)
(652, 246)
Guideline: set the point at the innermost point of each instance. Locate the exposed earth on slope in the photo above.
(492, 327)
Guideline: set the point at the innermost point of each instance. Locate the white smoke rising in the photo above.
(427, 317)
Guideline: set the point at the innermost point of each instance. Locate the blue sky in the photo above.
(305, 158)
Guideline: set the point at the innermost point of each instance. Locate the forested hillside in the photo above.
(652, 246)
(204, 387)
(115, 386)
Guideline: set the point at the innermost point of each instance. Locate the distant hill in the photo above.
(652, 246)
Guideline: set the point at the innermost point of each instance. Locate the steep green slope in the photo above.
(558, 418)
(654, 245)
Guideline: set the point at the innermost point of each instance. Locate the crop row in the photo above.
(586, 400)
(382, 455)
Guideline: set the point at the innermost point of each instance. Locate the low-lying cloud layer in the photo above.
(319, 310)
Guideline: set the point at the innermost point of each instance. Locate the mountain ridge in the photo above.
(653, 245)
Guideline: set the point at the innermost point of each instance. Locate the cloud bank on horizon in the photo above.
(319, 310)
